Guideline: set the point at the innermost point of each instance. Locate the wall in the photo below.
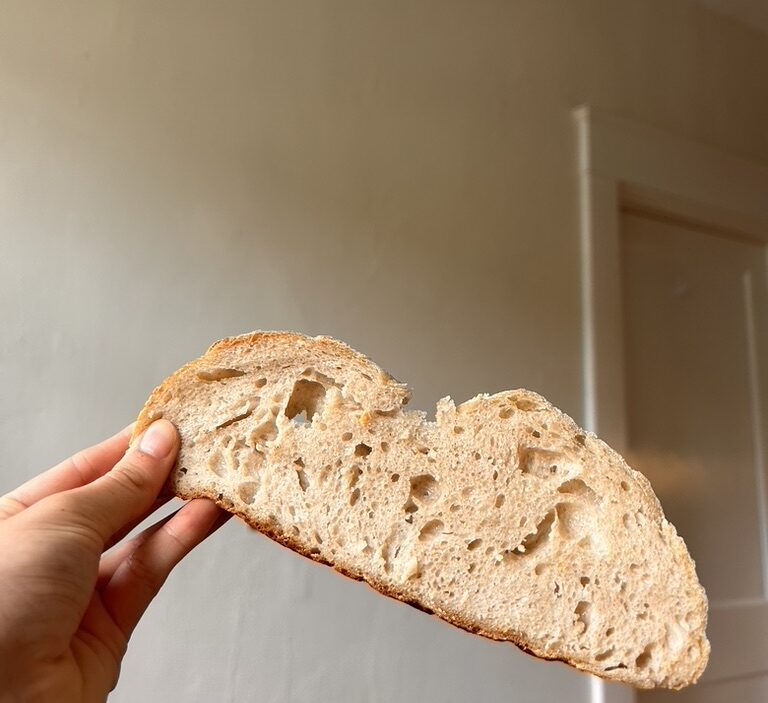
(398, 174)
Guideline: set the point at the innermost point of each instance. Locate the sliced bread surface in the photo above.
(502, 516)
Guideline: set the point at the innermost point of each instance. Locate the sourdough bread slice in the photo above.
(501, 517)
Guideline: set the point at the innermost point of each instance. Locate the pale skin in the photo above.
(69, 603)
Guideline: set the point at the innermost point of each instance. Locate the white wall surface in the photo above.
(398, 174)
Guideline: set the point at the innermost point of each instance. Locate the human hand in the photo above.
(67, 608)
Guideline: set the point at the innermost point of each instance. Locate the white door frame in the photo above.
(623, 165)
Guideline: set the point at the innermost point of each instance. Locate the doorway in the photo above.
(695, 313)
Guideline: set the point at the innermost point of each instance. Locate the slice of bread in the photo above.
(501, 517)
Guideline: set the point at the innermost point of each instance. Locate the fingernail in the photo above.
(158, 440)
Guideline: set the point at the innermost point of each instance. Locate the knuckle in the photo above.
(143, 571)
(10, 506)
(82, 464)
(66, 510)
(133, 477)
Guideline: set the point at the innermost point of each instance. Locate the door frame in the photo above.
(626, 166)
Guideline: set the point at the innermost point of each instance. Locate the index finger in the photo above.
(78, 470)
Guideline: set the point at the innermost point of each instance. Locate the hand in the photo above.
(67, 609)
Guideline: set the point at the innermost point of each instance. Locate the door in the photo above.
(695, 311)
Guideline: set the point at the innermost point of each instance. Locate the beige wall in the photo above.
(398, 174)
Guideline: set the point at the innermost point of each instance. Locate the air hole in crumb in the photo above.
(260, 382)
(624, 486)
(385, 446)
(431, 530)
(627, 520)
(303, 481)
(674, 637)
(183, 470)
(394, 478)
(247, 413)
(535, 539)
(506, 413)
(306, 397)
(410, 507)
(499, 501)
(454, 508)
(616, 666)
(474, 544)
(354, 497)
(495, 474)
(582, 613)
(476, 455)
(540, 568)
(580, 439)
(362, 450)
(346, 437)
(247, 491)
(299, 462)
(605, 655)
(523, 521)
(525, 404)
(584, 580)
(644, 658)
(219, 374)
(458, 429)
(424, 488)
(537, 462)
(557, 589)
(471, 568)
(577, 487)
(536, 434)
(353, 475)
(423, 450)
(218, 464)
(610, 631)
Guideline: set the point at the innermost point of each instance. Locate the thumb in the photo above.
(128, 491)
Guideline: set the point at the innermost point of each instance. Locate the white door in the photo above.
(695, 309)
